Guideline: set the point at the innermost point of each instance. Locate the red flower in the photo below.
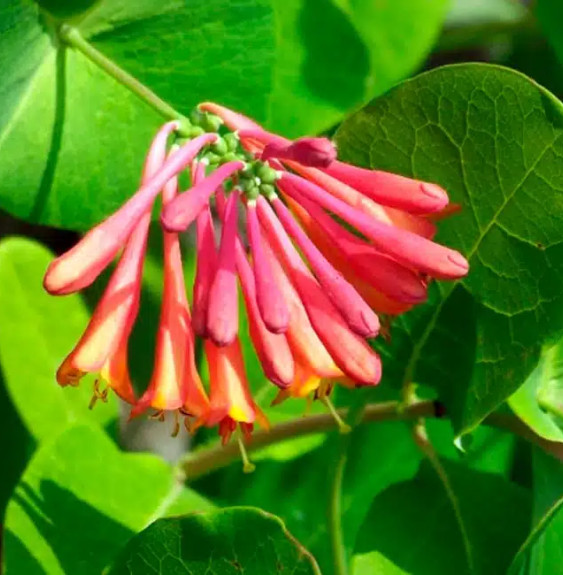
(329, 246)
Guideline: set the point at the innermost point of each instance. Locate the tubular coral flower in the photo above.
(345, 298)
(222, 312)
(329, 245)
(175, 382)
(349, 351)
(103, 346)
(184, 209)
(271, 303)
(313, 363)
(272, 348)
(230, 399)
(379, 270)
(81, 265)
(407, 247)
(313, 152)
(206, 262)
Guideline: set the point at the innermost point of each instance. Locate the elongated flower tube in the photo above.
(230, 400)
(271, 303)
(349, 351)
(312, 152)
(222, 312)
(313, 363)
(271, 347)
(206, 261)
(175, 383)
(103, 346)
(407, 247)
(180, 213)
(81, 265)
(359, 316)
(381, 271)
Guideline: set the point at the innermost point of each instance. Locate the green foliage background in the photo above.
(465, 94)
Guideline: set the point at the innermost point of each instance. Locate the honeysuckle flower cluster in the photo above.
(318, 247)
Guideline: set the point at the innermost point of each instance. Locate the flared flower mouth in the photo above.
(324, 253)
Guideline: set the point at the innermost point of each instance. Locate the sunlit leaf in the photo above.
(37, 331)
(81, 499)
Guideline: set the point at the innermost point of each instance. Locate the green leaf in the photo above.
(549, 14)
(280, 61)
(464, 13)
(228, 541)
(37, 331)
(80, 500)
(542, 552)
(492, 138)
(16, 446)
(537, 402)
(63, 9)
(394, 457)
(419, 511)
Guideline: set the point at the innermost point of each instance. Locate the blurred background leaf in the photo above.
(419, 511)
(542, 552)
(539, 402)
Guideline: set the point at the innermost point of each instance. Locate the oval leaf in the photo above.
(237, 539)
(493, 139)
(37, 331)
(72, 140)
(541, 397)
(80, 500)
(542, 552)
(419, 511)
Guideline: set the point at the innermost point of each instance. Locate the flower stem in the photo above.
(72, 37)
(337, 546)
(209, 459)
(421, 439)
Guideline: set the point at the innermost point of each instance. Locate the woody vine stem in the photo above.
(410, 409)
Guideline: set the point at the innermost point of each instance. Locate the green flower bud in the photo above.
(267, 190)
(266, 174)
(232, 141)
(211, 122)
(220, 147)
(196, 116)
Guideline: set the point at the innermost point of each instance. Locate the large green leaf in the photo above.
(420, 512)
(80, 500)
(72, 140)
(303, 506)
(539, 402)
(492, 138)
(233, 540)
(36, 332)
(542, 552)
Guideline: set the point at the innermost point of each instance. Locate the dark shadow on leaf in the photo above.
(56, 138)
(19, 558)
(84, 540)
(343, 82)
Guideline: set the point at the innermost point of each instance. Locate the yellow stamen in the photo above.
(176, 428)
(158, 414)
(343, 427)
(98, 393)
(247, 465)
